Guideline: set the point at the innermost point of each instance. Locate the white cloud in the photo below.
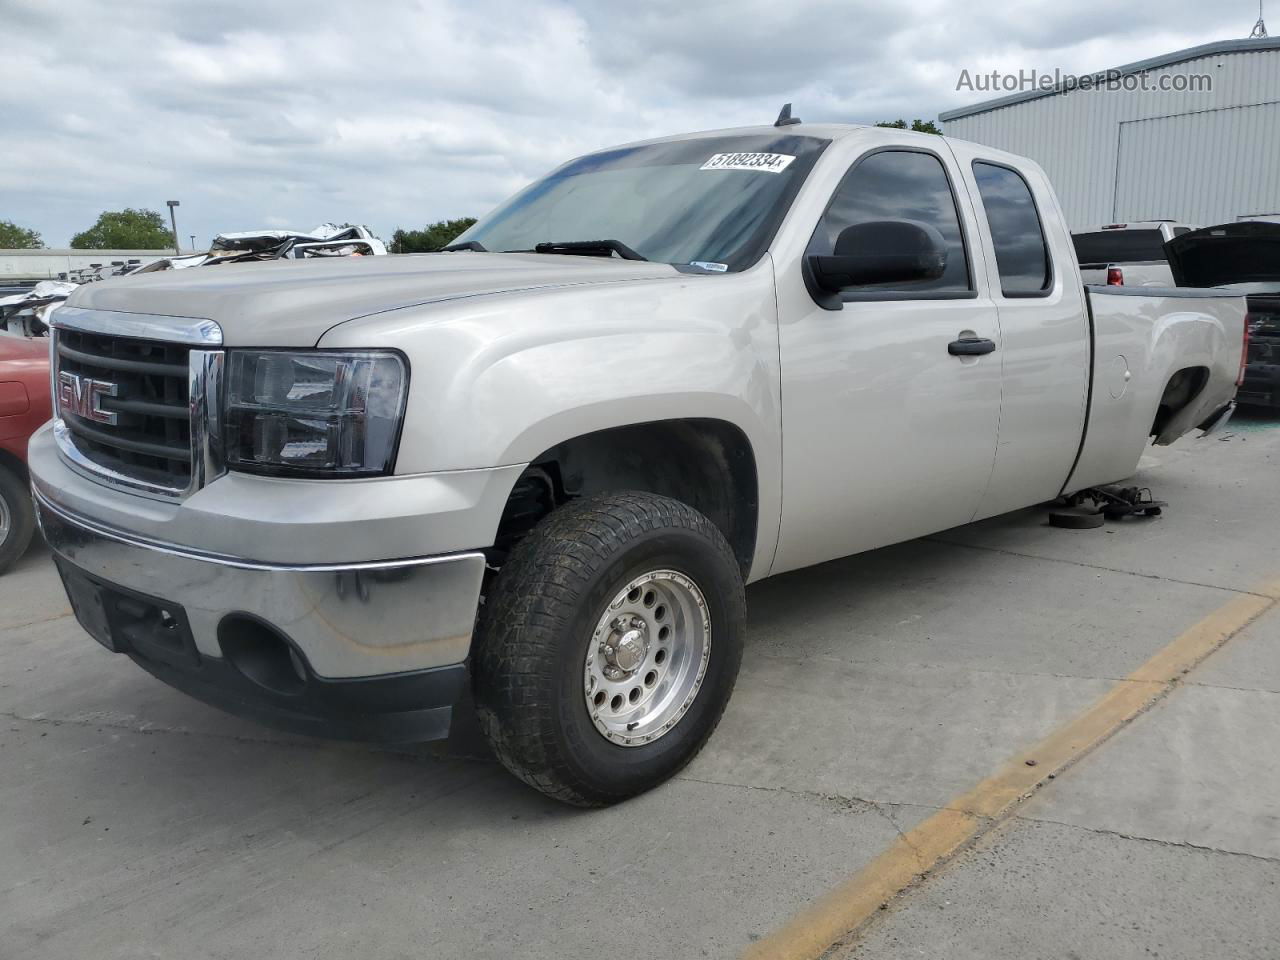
(399, 114)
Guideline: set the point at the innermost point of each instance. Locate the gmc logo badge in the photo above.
(83, 397)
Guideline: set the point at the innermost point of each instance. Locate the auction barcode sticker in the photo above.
(761, 162)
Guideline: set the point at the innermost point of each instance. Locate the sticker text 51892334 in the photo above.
(759, 162)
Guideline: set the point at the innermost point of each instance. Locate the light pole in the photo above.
(173, 222)
(193, 243)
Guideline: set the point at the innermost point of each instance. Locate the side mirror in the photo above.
(878, 251)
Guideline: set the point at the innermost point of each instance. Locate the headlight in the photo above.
(317, 413)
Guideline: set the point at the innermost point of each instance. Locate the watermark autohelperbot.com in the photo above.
(1025, 81)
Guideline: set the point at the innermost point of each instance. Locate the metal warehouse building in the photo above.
(1140, 149)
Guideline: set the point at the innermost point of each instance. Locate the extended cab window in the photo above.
(1022, 256)
(899, 185)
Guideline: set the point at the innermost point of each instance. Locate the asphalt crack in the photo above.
(1097, 566)
(802, 659)
(921, 859)
(1120, 834)
(32, 623)
(1225, 686)
(836, 800)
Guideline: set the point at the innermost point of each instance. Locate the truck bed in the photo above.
(1165, 361)
(1154, 273)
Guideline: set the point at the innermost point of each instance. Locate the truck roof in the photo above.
(826, 131)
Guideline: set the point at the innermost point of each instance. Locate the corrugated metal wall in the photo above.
(1228, 160)
(1194, 156)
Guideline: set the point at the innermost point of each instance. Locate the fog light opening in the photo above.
(261, 654)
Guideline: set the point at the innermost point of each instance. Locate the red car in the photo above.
(25, 404)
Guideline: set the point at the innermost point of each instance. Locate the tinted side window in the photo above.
(899, 185)
(1119, 246)
(1022, 256)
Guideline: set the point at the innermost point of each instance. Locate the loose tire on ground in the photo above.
(539, 626)
(17, 518)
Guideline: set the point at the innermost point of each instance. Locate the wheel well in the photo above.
(1183, 387)
(707, 464)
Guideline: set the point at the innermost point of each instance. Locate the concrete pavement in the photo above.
(134, 822)
(1165, 842)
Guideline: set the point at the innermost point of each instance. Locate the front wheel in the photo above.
(608, 646)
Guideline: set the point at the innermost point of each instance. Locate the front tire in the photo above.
(608, 647)
(17, 518)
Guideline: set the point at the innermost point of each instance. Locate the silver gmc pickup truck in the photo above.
(340, 496)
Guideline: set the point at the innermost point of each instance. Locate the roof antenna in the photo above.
(1259, 28)
(785, 119)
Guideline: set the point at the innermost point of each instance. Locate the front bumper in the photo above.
(370, 650)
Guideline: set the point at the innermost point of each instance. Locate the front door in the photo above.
(886, 434)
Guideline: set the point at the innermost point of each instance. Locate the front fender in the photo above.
(498, 380)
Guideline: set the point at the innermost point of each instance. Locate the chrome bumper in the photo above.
(347, 621)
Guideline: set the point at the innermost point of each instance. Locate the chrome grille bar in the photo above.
(133, 411)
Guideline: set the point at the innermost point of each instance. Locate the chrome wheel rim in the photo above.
(5, 521)
(647, 658)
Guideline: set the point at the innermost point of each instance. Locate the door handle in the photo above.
(970, 347)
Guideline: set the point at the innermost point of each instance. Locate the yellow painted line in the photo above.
(813, 931)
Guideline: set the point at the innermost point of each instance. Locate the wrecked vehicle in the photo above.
(1243, 257)
(337, 495)
(326, 240)
(27, 314)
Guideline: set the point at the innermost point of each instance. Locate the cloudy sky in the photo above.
(277, 114)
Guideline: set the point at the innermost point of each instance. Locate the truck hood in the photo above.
(1230, 253)
(289, 303)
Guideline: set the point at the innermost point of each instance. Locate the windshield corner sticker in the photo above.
(759, 162)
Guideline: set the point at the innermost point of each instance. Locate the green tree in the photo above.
(127, 229)
(14, 237)
(430, 238)
(919, 126)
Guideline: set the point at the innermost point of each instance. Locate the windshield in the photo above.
(712, 204)
(1119, 246)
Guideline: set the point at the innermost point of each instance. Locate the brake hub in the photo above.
(626, 648)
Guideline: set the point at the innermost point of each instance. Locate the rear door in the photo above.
(1045, 346)
(886, 435)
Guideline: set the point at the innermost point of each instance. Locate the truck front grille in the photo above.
(126, 403)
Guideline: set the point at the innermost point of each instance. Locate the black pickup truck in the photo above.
(1244, 257)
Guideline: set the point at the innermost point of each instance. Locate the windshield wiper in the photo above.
(589, 248)
(475, 245)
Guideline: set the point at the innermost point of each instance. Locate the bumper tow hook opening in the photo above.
(261, 654)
